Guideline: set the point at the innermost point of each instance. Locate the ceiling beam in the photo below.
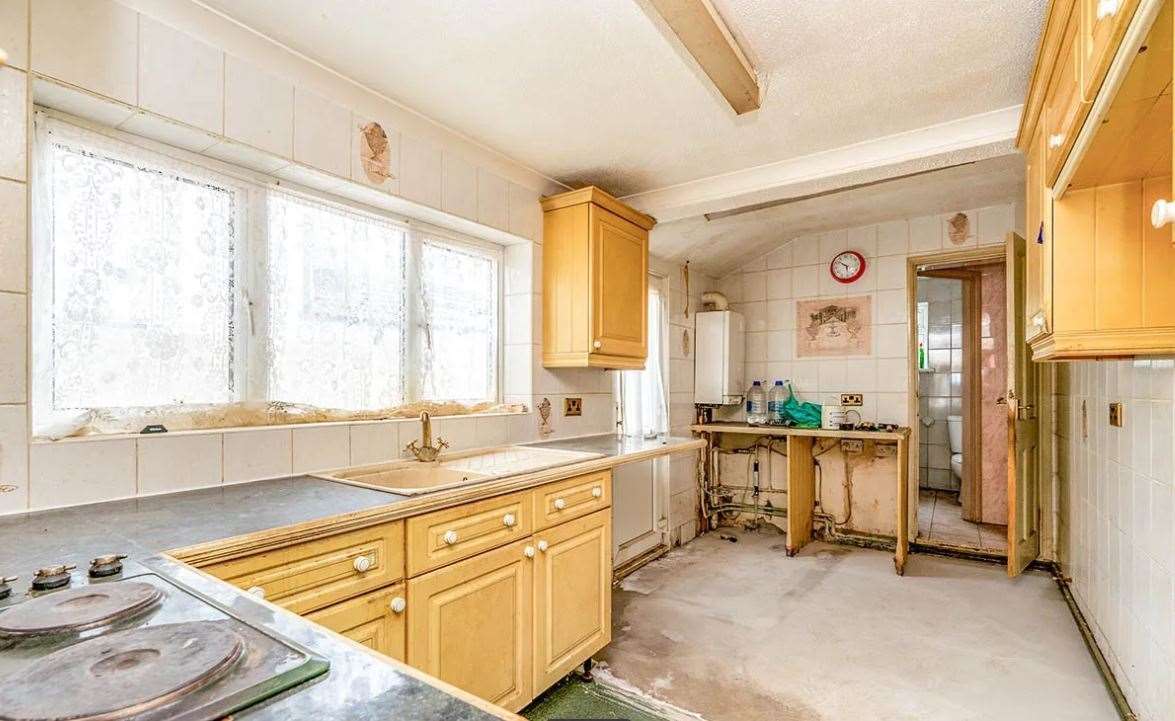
(705, 35)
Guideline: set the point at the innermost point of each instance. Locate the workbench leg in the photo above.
(801, 492)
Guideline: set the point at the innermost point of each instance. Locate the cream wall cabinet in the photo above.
(595, 281)
(1099, 274)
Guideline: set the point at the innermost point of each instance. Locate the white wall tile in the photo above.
(781, 345)
(831, 243)
(493, 200)
(13, 123)
(891, 341)
(69, 473)
(756, 347)
(754, 286)
(252, 455)
(755, 315)
(180, 77)
(861, 375)
(93, 45)
(926, 234)
(891, 306)
(180, 462)
(14, 15)
(890, 272)
(492, 431)
(993, 224)
(321, 448)
(258, 107)
(893, 375)
(863, 240)
(420, 171)
(458, 187)
(322, 133)
(13, 348)
(893, 238)
(13, 239)
(520, 269)
(781, 314)
(519, 313)
(358, 173)
(525, 211)
(459, 432)
(805, 280)
(14, 458)
(374, 442)
(781, 257)
(806, 250)
(757, 264)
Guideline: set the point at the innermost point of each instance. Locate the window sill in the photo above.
(245, 429)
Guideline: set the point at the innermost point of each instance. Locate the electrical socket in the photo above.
(852, 446)
(572, 406)
(852, 399)
(1117, 415)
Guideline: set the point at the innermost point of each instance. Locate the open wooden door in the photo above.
(1023, 429)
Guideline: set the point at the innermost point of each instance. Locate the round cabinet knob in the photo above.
(560, 504)
(543, 546)
(450, 537)
(597, 492)
(362, 564)
(1162, 213)
(596, 344)
(398, 604)
(1056, 140)
(257, 591)
(528, 551)
(509, 520)
(1107, 8)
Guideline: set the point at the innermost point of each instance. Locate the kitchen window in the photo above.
(165, 287)
(643, 396)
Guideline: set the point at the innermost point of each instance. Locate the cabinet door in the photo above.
(1036, 201)
(1064, 108)
(1103, 22)
(620, 285)
(573, 595)
(470, 624)
(376, 620)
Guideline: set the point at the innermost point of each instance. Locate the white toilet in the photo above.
(955, 431)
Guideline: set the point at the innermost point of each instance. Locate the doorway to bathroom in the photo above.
(961, 361)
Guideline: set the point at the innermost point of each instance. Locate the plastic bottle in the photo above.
(921, 357)
(756, 405)
(776, 397)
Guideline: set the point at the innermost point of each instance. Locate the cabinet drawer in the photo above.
(572, 498)
(1064, 106)
(442, 537)
(377, 620)
(317, 573)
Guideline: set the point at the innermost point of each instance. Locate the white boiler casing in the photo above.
(720, 349)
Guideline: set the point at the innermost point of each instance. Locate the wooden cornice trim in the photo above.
(592, 194)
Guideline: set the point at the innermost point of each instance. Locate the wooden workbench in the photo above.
(801, 476)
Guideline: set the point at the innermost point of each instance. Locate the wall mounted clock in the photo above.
(847, 267)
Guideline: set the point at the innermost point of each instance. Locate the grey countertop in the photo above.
(359, 685)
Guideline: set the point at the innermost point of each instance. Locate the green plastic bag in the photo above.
(799, 413)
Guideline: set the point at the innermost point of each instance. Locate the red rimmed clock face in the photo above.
(847, 267)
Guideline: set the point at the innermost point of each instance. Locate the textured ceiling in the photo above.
(716, 247)
(599, 92)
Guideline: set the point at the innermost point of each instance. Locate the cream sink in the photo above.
(452, 470)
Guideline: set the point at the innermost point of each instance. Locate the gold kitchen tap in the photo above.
(426, 451)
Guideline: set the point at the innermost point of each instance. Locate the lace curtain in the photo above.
(165, 291)
(644, 398)
(458, 323)
(135, 277)
(335, 306)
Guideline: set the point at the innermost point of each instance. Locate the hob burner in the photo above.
(106, 566)
(78, 609)
(122, 674)
(51, 577)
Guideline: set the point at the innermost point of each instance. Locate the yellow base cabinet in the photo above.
(572, 596)
(595, 281)
(377, 620)
(1097, 137)
(470, 624)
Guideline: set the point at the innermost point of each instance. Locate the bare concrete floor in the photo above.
(739, 631)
